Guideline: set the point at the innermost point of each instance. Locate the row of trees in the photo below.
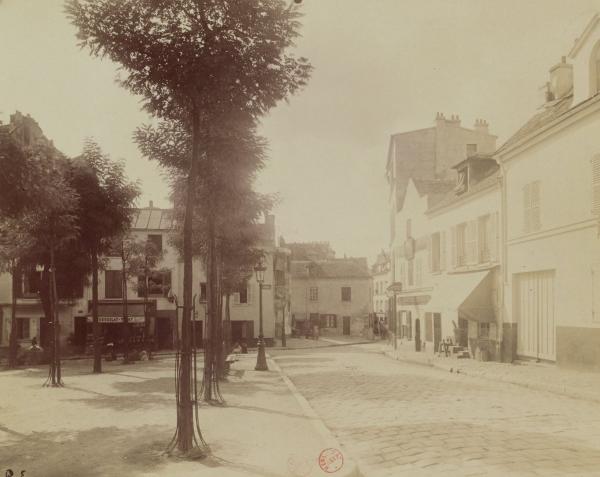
(59, 215)
(208, 70)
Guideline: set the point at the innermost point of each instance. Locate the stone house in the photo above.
(334, 294)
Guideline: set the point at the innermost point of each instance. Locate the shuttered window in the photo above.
(596, 184)
(419, 272)
(113, 284)
(442, 250)
(532, 207)
(471, 242)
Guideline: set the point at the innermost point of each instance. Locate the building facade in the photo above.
(381, 273)
(333, 294)
(551, 207)
(444, 206)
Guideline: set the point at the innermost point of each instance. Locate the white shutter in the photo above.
(527, 208)
(429, 253)
(596, 184)
(536, 222)
(249, 290)
(494, 236)
(443, 250)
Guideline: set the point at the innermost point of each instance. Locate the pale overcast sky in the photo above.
(381, 67)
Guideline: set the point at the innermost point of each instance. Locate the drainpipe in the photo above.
(503, 253)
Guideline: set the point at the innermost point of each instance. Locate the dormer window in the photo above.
(462, 182)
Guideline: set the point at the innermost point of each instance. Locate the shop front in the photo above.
(112, 323)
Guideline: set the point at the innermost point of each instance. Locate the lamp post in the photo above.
(261, 359)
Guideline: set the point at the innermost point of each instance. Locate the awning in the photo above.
(117, 319)
(112, 312)
(470, 294)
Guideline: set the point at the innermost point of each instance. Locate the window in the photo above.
(328, 321)
(113, 284)
(242, 296)
(314, 294)
(436, 252)
(346, 294)
(156, 240)
(484, 240)
(531, 207)
(596, 184)
(428, 326)
(484, 330)
(159, 283)
(461, 244)
(411, 272)
(471, 150)
(31, 284)
(203, 292)
(23, 328)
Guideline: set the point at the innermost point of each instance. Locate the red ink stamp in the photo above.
(331, 460)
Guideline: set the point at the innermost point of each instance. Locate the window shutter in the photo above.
(536, 222)
(453, 247)
(494, 236)
(249, 289)
(429, 254)
(236, 298)
(527, 208)
(472, 241)
(443, 250)
(596, 184)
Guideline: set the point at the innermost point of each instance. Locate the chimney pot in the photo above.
(151, 204)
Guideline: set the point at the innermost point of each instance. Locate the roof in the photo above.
(152, 218)
(335, 268)
(451, 197)
(435, 190)
(310, 250)
(549, 113)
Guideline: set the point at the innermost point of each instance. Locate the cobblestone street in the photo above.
(403, 419)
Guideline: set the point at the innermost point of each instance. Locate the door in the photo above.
(437, 331)
(417, 334)
(163, 333)
(534, 312)
(346, 330)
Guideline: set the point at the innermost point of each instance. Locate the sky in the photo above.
(381, 67)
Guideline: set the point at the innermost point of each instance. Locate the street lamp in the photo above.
(261, 359)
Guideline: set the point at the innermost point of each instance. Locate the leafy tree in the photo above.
(106, 211)
(199, 62)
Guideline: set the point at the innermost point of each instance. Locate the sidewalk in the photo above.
(539, 376)
(323, 341)
(119, 423)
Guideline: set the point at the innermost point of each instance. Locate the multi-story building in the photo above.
(334, 294)
(550, 212)
(439, 180)
(381, 273)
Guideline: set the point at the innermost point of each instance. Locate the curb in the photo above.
(559, 391)
(350, 468)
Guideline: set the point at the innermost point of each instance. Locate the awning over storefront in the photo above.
(469, 294)
(414, 300)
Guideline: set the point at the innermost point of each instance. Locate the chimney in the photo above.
(561, 80)
(151, 205)
(440, 120)
(481, 126)
(454, 120)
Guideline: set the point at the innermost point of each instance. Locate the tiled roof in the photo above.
(550, 112)
(435, 190)
(152, 219)
(451, 197)
(336, 268)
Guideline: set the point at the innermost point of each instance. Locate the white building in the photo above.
(551, 205)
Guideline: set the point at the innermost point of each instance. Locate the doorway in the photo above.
(417, 334)
(437, 331)
(346, 326)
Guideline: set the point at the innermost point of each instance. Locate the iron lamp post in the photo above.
(261, 359)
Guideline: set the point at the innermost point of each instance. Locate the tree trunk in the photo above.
(185, 411)
(57, 372)
(219, 361)
(95, 324)
(147, 341)
(211, 306)
(125, 317)
(227, 325)
(13, 343)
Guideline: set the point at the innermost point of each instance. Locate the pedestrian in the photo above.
(316, 332)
